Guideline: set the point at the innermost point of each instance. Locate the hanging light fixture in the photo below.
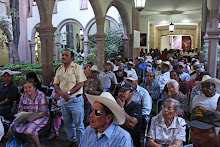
(139, 4)
(171, 26)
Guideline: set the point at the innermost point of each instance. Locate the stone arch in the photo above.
(100, 18)
(91, 23)
(124, 16)
(59, 27)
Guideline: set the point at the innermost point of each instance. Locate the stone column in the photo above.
(33, 57)
(46, 35)
(126, 47)
(100, 41)
(57, 50)
(86, 47)
(213, 36)
(10, 48)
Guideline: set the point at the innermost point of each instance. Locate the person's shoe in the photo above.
(53, 136)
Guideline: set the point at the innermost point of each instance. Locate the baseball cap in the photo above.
(204, 119)
(181, 64)
(132, 77)
(125, 85)
(7, 71)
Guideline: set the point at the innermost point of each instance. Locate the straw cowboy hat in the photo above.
(207, 78)
(131, 63)
(109, 101)
(110, 63)
(168, 63)
(95, 68)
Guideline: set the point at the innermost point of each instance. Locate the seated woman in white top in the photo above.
(167, 129)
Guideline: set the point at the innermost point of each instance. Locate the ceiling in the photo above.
(186, 14)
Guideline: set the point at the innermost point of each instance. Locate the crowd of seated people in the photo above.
(177, 78)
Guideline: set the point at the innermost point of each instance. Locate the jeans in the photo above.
(73, 115)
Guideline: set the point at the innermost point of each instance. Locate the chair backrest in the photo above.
(159, 104)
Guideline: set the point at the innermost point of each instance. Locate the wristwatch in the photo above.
(68, 92)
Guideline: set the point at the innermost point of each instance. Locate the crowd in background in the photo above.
(164, 91)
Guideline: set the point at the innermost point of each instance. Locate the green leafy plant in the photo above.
(114, 45)
(92, 58)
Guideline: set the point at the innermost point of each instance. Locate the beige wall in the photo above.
(155, 36)
(4, 58)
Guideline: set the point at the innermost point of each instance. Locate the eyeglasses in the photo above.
(168, 108)
(96, 112)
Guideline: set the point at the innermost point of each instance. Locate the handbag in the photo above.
(13, 142)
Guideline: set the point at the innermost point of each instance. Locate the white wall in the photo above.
(144, 29)
(165, 42)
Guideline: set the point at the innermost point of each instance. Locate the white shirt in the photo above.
(157, 73)
(209, 103)
(184, 76)
(115, 68)
(131, 71)
(163, 135)
(162, 80)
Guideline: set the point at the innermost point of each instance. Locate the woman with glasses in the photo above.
(32, 101)
(167, 129)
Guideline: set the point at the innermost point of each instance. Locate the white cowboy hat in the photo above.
(109, 101)
(159, 61)
(131, 63)
(110, 63)
(95, 68)
(168, 63)
(207, 78)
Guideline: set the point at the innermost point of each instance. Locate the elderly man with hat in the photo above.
(107, 77)
(92, 86)
(182, 75)
(130, 68)
(8, 92)
(205, 128)
(133, 112)
(162, 79)
(104, 120)
(209, 98)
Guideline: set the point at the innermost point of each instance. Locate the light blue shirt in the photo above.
(142, 97)
(184, 76)
(113, 136)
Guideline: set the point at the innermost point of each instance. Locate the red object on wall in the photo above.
(186, 42)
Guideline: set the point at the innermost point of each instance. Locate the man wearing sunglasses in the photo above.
(104, 129)
(133, 111)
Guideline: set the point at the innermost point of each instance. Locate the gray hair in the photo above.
(122, 64)
(175, 83)
(176, 102)
(151, 73)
